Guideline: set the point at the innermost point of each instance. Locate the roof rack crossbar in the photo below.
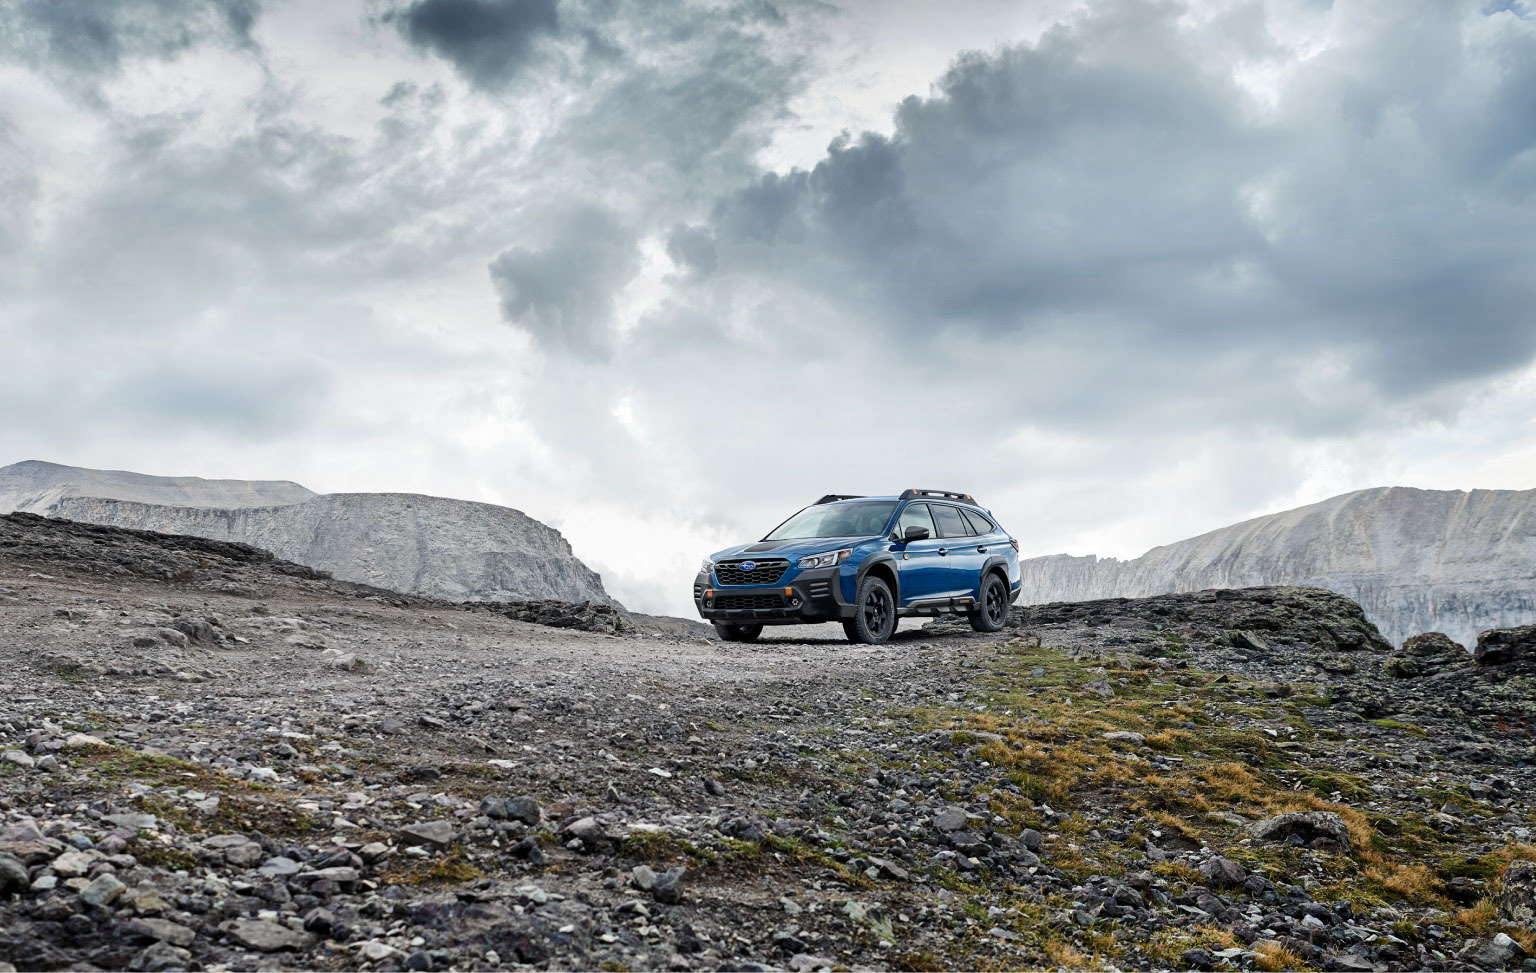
(834, 497)
(942, 495)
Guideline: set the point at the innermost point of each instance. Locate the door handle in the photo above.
(943, 551)
(981, 548)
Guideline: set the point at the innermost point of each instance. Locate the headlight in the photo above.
(826, 560)
(707, 566)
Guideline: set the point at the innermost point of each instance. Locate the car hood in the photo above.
(798, 547)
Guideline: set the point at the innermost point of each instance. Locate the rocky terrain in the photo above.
(1415, 560)
(432, 546)
(210, 758)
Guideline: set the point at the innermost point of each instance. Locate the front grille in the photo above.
(763, 572)
(819, 589)
(738, 602)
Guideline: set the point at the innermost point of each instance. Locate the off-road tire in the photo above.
(738, 633)
(991, 613)
(874, 619)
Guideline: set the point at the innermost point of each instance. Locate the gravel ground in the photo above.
(213, 759)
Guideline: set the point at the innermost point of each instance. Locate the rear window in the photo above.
(978, 521)
(951, 524)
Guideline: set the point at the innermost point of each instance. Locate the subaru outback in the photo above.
(865, 562)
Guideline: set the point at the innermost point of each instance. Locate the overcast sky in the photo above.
(661, 273)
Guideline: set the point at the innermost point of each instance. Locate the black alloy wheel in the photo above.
(874, 620)
(992, 614)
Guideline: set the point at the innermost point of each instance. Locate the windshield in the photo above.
(836, 520)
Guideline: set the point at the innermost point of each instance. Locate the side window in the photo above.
(950, 522)
(916, 515)
(978, 521)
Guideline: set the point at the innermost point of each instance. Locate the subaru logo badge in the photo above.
(747, 565)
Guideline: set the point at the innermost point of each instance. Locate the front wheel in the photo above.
(738, 633)
(874, 618)
(992, 614)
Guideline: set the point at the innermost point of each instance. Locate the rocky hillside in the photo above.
(454, 550)
(1415, 560)
(212, 759)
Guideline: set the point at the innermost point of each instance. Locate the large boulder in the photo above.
(1315, 828)
(1426, 654)
(1499, 645)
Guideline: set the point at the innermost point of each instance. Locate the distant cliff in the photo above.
(452, 549)
(1415, 560)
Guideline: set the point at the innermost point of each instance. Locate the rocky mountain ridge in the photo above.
(1415, 560)
(455, 550)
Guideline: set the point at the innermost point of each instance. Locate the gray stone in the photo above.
(163, 930)
(374, 951)
(171, 637)
(280, 867)
(103, 891)
(434, 833)
(644, 877)
(133, 822)
(18, 757)
(950, 819)
(586, 829)
(159, 956)
(265, 937)
(13, 874)
(1125, 736)
(1221, 872)
(668, 886)
(525, 809)
(72, 864)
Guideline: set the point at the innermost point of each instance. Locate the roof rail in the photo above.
(834, 497)
(942, 495)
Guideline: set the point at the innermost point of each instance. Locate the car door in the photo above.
(919, 564)
(959, 559)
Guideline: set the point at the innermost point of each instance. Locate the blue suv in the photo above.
(865, 561)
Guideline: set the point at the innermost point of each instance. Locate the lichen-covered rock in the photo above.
(1517, 902)
(1309, 826)
(1500, 645)
(1426, 654)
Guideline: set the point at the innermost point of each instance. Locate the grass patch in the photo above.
(449, 869)
(1408, 728)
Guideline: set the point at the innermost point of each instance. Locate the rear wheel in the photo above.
(738, 633)
(874, 618)
(992, 614)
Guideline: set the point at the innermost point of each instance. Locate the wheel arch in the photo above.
(997, 565)
(883, 568)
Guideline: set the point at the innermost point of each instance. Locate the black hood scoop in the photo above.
(764, 547)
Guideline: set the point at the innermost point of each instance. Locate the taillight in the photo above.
(1015, 542)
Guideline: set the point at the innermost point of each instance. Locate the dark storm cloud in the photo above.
(91, 38)
(488, 41)
(562, 293)
(1113, 180)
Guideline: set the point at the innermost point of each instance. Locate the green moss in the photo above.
(1408, 728)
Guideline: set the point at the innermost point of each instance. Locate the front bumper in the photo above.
(810, 596)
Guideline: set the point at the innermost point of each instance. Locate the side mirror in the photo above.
(914, 534)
